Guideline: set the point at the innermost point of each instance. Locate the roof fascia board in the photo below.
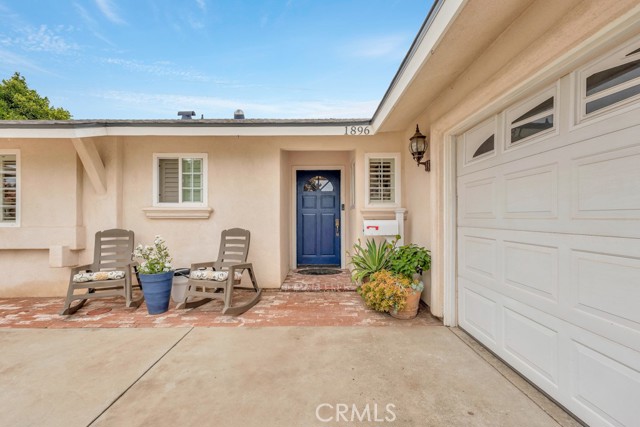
(435, 26)
(53, 132)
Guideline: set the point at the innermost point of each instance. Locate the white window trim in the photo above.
(522, 107)
(600, 64)
(180, 156)
(397, 180)
(18, 188)
(352, 185)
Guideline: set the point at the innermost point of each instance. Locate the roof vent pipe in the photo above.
(186, 115)
(238, 115)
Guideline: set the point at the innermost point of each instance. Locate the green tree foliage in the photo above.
(18, 102)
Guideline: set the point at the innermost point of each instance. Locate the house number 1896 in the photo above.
(357, 130)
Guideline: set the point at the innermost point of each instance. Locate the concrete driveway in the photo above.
(276, 376)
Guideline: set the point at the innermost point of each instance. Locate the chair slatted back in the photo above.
(234, 247)
(113, 249)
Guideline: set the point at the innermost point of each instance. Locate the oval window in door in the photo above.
(318, 183)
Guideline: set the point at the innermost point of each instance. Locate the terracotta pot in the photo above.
(410, 310)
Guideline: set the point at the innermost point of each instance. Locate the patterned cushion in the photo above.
(218, 276)
(98, 276)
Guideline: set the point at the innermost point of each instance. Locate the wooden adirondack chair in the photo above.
(216, 279)
(110, 273)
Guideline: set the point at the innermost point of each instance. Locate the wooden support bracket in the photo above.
(92, 163)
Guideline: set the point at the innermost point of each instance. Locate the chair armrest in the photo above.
(240, 266)
(78, 269)
(198, 265)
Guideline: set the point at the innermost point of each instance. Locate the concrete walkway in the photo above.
(276, 376)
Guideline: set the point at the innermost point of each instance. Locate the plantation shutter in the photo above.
(382, 180)
(8, 188)
(168, 177)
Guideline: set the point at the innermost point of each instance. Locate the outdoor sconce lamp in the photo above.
(418, 146)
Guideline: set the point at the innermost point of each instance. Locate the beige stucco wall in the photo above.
(250, 184)
(50, 181)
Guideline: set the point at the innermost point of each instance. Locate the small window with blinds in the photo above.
(382, 180)
(180, 179)
(8, 189)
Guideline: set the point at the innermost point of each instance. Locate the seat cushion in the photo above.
(218, 276)
(98, 276)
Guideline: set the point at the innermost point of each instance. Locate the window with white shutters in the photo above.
(382, 180)
(8, 188)
(180, 179)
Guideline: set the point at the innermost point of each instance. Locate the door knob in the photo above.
(337, 227)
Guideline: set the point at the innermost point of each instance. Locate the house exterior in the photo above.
(531, 208)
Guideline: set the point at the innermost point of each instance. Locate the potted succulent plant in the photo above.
(396, 287)
(156, 275)
(410, 261)
(371, 258)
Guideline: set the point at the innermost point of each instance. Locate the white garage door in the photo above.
(549, 238)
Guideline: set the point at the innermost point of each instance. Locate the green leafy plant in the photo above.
(371, 258)
(155, 258)
(386, 291)
(410, 259)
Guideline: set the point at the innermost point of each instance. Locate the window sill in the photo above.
(178, 212)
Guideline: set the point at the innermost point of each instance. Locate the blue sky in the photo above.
(147, 59)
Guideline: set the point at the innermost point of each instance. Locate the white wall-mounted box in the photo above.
(380, 227)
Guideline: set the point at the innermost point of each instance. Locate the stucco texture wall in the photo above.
(50, 179)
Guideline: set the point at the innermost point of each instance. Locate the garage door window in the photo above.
(536, 119)
(612, 81)
(480, 142)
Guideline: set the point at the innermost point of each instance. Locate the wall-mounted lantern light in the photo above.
(418, 147)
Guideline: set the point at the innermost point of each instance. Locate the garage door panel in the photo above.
(533, 268)
(534, 344)
(607, 185)
(479, 198)
(585, 280)
(479, 312)
(532, 193)
(606, 387)
(607, 286)
(480, 255)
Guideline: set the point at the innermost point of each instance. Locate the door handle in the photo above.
(337, 227)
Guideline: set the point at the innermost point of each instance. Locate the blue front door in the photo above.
(318, 217)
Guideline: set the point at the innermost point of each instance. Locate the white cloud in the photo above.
(108, 10)
(18, 62)
(160, 69)
(91, 24)
(166, 106)
(378, 47)
(202, 4)
(41, 39)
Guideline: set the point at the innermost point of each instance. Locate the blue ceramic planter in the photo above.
(157, 290)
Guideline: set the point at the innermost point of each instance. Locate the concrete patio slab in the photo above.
(422, 376)
(69, 377)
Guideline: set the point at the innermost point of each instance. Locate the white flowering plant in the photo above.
(155, 258)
